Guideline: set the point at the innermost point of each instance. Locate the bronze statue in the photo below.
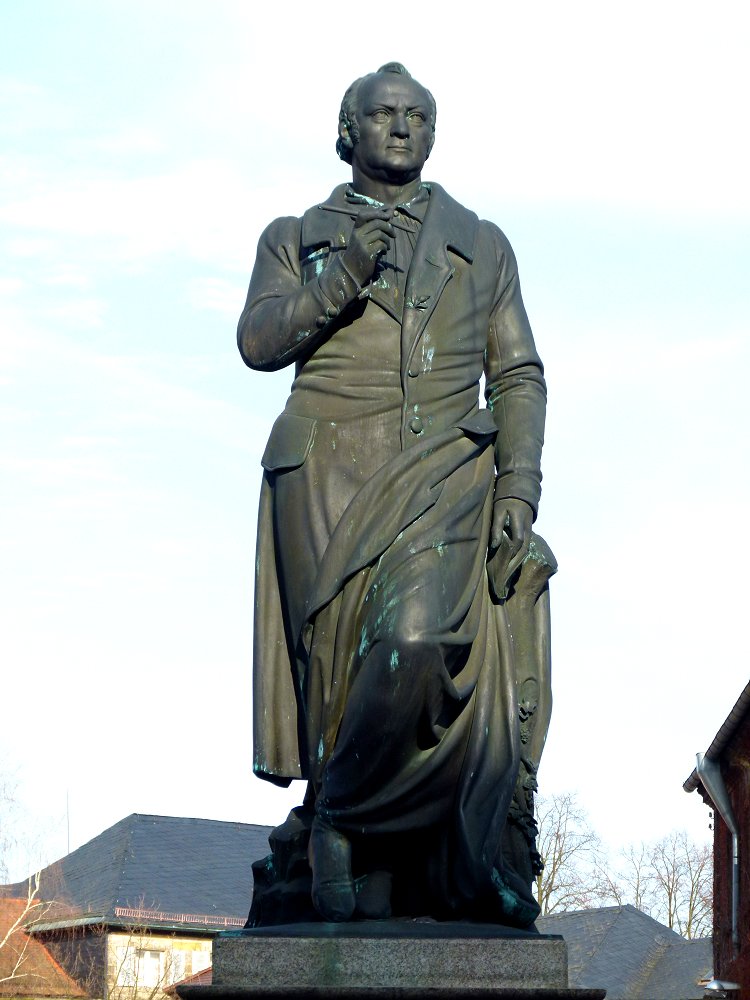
(394, 538)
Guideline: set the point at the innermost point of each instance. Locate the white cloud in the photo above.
(11, 285)
(84, 313)
(30, 247)
(30, 108)
(127, 142)
(68, 275)
(201, 210)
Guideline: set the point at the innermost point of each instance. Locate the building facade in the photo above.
(722, 778)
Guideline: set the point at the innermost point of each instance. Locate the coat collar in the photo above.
(447, 224)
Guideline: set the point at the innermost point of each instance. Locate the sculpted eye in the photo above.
(379, 116)
(417, 116)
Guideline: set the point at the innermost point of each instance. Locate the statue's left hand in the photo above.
(515, 517)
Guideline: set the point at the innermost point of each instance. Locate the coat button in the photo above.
(321, 322)
(413, 372)
(332, 312)
(416, 425)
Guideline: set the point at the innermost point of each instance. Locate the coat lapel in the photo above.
(447, 225)
(328, 223)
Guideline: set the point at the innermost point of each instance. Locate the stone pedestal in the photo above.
(409, 960)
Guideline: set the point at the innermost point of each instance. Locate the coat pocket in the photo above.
(290, 442)
(479, 423)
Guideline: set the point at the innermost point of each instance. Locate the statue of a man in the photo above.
(384, 663)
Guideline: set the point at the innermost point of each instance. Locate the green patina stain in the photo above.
(534, 555)
(364, 642)
(428, 353)
(394, 659)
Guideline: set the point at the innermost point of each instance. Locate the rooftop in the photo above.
(630, 954)
(723, 737)
(165, 870)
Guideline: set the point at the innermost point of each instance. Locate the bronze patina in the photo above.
(401, 657)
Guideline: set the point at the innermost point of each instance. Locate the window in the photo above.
(177, 971)
(150, 967)
(126, 965)
(201, 960)
(139, 967)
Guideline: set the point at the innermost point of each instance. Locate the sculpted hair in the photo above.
(348, 127)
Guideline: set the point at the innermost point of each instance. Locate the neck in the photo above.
(387, 192)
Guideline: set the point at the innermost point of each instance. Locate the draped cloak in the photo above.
(383, 669)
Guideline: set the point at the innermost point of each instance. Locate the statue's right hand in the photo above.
(370, 239)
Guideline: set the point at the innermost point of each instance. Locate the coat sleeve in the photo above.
(283, 318)
(514, 386)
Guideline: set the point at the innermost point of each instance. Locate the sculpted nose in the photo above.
(400, 126)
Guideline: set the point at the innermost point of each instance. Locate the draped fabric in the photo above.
(404, 665)
(384, 671)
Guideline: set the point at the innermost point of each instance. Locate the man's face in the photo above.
(395, 135)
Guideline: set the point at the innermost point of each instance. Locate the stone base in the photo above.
(410, 960)
(385, 993)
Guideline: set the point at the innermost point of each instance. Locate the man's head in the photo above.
(351, 106)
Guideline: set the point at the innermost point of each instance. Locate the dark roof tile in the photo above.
(172, 864)
(628, 953)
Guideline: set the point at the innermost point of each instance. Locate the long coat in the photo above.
(380, 477)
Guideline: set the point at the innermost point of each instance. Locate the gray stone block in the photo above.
(389, 962)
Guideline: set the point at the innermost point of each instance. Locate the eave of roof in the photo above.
(115, 924)
(55, 925)
(724, 735)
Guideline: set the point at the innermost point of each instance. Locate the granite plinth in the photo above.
(388, 959)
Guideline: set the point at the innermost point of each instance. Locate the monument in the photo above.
(401, 652)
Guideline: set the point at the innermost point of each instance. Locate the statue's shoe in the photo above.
(331, 863)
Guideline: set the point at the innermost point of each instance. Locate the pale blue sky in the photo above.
(143, 147)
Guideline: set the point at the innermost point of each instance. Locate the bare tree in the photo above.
(14, 943)
(682, 876)
(142, 961)
(636, 877)
(670, 879)
(140, 965)
(7, 810)
(628, 879)
(572, 854)
(14, 939)
(124, 962)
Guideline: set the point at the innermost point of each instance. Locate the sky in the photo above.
(143, 148)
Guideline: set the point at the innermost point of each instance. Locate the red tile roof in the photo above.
(26, 967)
(202, 978)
